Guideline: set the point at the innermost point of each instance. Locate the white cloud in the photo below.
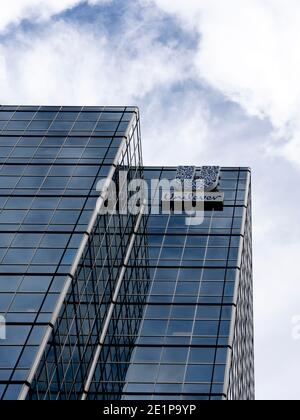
(14, 11)
(249, 51)
(68, 64)
(177, 131)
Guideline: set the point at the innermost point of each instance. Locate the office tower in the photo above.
(116, 305)
(196, 336)
(59, 260)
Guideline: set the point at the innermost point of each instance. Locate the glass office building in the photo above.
(115, 306)
(196, 336)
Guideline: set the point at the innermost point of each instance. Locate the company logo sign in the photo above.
(207, 177)
(196, 185)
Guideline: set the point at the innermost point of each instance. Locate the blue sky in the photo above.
(216, 83)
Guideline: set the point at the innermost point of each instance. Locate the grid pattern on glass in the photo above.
(181, 348)
(49, 168)
(185, 287)
(76, 334)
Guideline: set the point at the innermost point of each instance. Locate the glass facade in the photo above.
(195, 340)
(51, 159)
(115, 306)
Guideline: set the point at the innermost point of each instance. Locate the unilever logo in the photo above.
(206, 177)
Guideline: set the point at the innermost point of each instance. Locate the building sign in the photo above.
(211, 197)
(188, 176)
(196, 186)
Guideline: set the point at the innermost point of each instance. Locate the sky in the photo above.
(217, 83)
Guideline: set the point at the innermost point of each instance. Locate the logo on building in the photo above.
(197, 185)
(206, 177)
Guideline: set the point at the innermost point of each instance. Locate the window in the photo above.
(94, 153)
(23, 152)
(18, 256)
(6, 239)
(171, 253)
(163, 288)
(219, 373)
(9, 356)
(5, 151)
(26, 303)
(175, 355)
(36, 170)
(47, 256)
(219, 241)
(213, 274)
(147, 354)
(183, 312)
(27, 240)
(30, 182)
(16, 125)
(88, 116)
(211, 288)
(168, 274)
(6, 115)
(187, 288)
(70, 153)
(111, 116)
(180, 328)
(153, 328)
(81, 183)
(222, 355)
(199, 373)
(35, 284)
(206, 328)
(194, 253)
(39, 125)
(62, 125)
(16, 334)
(154, 311)
(45, 203)
(107, 126)
(202, 355)
(65, 217)
(155, 240)
(23, 115)
(72, 203)
(38, 217)
(84, 126)
(142, 373)
(8, 141)
(53, 141)
(56, 182)
(43, 115)
(67, 116)
(189, 274)
(5, 300)
(208, 312)
(44, 152)
(217, 253)
(55, 241)
(171, 373)
(8, 182)
(200, 241)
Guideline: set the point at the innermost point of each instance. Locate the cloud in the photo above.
(249, 51)
(15, 11)
(177, 131)
(73, 64)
